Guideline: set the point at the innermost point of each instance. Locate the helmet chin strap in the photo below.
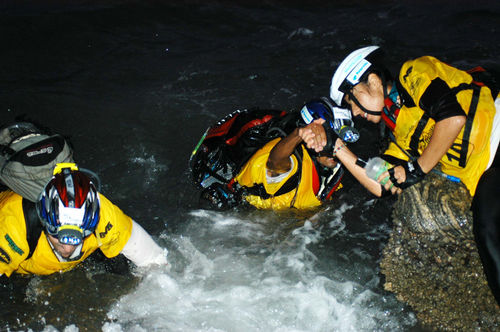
(356, 101)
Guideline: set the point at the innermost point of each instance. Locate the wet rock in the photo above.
(431, 261)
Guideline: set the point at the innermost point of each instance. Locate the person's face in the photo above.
(65, 250)
(327, 161)
(370, 95)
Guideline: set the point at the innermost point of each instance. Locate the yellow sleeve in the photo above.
(14, 246)
(114, 228)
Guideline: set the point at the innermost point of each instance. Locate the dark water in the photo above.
(134, 85)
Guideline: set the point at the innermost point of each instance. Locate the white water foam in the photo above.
(237, 276)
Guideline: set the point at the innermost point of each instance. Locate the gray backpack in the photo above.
(28, 157)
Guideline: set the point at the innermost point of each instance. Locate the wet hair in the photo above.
(378, 60)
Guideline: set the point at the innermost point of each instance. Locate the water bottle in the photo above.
(376, 166)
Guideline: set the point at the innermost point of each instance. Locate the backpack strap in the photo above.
(415, 138)
(289, 185)
(468, 123)
(463, 148)
(33, 225)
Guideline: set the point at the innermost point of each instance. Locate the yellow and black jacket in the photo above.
(17, 230)
(304, 193)
(431, 91)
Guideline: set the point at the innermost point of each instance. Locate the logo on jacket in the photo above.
(4, 256)
(13, 245)
(106, 230)
(47, 149)
(408, 72)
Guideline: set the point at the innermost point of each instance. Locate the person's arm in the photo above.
(444, 134)
(142, 250)
(348, 159)
(317, 140)
(279, 157)
(11, 232)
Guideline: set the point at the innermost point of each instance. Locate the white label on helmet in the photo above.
(341, 113)
(358, 71)
(352, 62)
(306, 115)
(71, 216)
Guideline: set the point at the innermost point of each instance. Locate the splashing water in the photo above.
(237, 276)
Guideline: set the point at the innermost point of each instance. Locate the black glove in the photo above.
(414, 174)
(330, 140)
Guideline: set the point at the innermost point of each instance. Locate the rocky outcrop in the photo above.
(431, 261)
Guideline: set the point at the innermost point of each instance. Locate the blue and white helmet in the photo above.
(338, 119)
(68, 206)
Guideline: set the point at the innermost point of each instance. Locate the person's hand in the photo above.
(393, 175)
(314, 135)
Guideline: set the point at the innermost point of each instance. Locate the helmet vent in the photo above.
(70, 190)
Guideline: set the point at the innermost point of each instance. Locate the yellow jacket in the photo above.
(254, 173)
(415, 77)
(112, 233)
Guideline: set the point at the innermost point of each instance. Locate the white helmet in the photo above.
(349, 72)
